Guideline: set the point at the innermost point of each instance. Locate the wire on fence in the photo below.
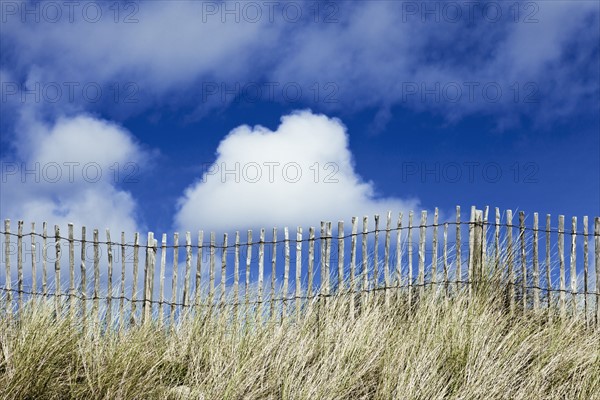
(316, 239)
(293, 298)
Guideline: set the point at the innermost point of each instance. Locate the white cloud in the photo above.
(298, 175)
(66, 172)
(374, 50)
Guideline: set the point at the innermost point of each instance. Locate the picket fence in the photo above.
(531, 276)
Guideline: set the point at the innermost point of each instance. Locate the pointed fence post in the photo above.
(8, 279)
(148, 272)
(477, 249)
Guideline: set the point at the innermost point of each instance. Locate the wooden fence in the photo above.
(130, 296)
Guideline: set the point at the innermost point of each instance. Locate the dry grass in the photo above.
(465, 348)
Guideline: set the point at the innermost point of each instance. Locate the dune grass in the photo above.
(465, 347)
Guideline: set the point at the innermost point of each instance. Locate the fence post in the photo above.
(477, 250)
(536, 264)
(585, 269)
(573, 262)
(273, 274)
(58, 293)
(298, 271)
(122, 288)
(597, 262)
(286, 271)
(83, 283)
(410, 259)
(174, 279)
(33, 262)
(386, 257)
(421, 276)
(109, 293)
(161, 280)
(470, 263)
(353, 240)
(71, 272)
(523, 259)
(376, 254)
(148, 271)
(458, 256)
(510, 259)
(561, 258)
(20, 265)
(7, 281)
(188, 271)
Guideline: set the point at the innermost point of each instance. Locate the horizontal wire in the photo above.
(289, 299)
(273, 242)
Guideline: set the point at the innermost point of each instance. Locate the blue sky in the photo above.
(318, 110)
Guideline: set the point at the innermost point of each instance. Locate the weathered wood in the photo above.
(353, 240)
(323, 252)
(33, 261)
(298, 287)
(446, 285)
(236, 276)
(523, 259)
(484, 255)
(386, 256)
(421, 277)
(497, 240)
(71, 272)
(83, 279)
(224, 270)
(470, 262)
(479, 248)
(188, 270)
(597, 262)
(261, 266)
(122, 284)
(286, 271)
(211, 269)
(561, 258)
(20, 265)
(109, 293)
(536, 264)
(458, 260)
(340, 252)
(174, 277)
(248, 261)
(585, 269)
(328, 235)
(573, 260)
(548, 263)
(510, 259)
(136, 260)
(57, 292)
(153, 272)
(399, 254)
(199, 256)
(376, 255)
(434, 255)
(410, 259)
(8, 277)
(96, 302)
(311, 260)
(365, 269)
(273, 274)
(161, 280)
(147, 294)
(44, 259)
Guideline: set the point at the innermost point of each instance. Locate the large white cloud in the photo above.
(68, 171)
(298, 175)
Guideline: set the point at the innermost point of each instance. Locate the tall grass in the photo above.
(463, 347)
